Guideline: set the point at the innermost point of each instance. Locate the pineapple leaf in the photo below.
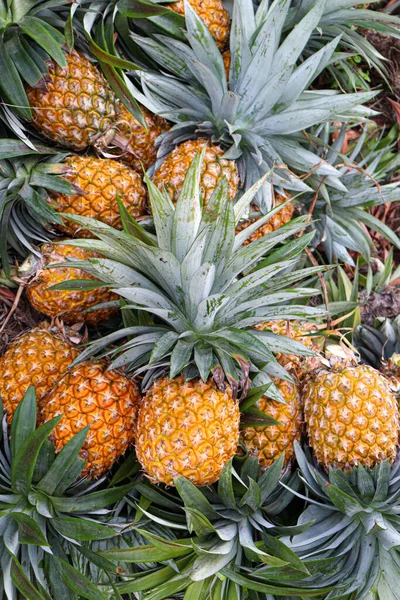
(22, 583)
(82, 530)
(78, 582)
(29, 531)
(24, 421)
(25, 460)
(63, 461)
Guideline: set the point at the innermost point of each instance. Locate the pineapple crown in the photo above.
(378, 344)
(202, 286)
(344, 17)
(26, 177)
(341, 211)
(355, 526)
(45, 512)
(259, 112)
(233, 524)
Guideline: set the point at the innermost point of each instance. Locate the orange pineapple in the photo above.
(38, 357)
(107, 401)
(213, 14)
(66, 304)
(101, 181)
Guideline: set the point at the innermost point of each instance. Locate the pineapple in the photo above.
(279, 219)
(137, 144)
(101, 182)
(74, 106)
(300, 331)
(171, 174)
(203, 337)
(270, 442)
(257, 120)
(107, 401)
(351, 417)
(50, 510)
(38, 357)
(66, 304)
(213, 14)
(177, 421)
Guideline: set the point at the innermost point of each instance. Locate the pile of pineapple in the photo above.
(204, 409)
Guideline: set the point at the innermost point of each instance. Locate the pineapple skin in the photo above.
(139, 142)
(38, 357)
(186, 428)
(171, 174)
(214, 16)
(67, 304)
(101, 180)
(298, 331)
(75, 104)
(352, 418)
(279, 219)
(269, 443)
(108, 401)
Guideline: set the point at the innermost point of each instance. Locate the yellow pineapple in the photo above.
(38, 357)
(269, 443)
(276, 221)
(351, 416)
(101, 181)
(300, 331)
(66, 304)
(213, 14)
(135, 144)
(186, 428)
(171, 174)
(75, 107)
(89, 394)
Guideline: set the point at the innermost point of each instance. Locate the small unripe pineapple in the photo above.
(186, 428)
(89, 394)
(171, 174)
(68, 305)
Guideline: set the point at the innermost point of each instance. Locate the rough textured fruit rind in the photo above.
(89, 394)
(276, 221)
(351, 417)
(74, 105)
(171, 174)
(213, 14)
(136, 144)
(186, 428)
(38, 357)
(267, 444)
(67, 304)
(102, 181)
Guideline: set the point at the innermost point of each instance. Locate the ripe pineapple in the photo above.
(213, 14)
(38, 357)
(66, 304)
(270, 442)
(206, 327)
(300, 331)
(135, 144)
(101, 181)
(180, 422)
(351, 416)
(89, 394)
(75, 107)
(171, 174)
(276, 221)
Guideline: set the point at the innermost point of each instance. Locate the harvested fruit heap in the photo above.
(195, 203)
